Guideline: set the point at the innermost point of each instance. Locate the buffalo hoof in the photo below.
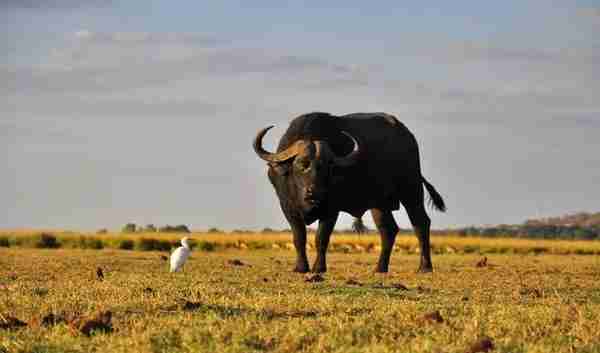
(301, 269)
(425, 269)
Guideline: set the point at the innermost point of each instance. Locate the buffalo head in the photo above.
(303, 172)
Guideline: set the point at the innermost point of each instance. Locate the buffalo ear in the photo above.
(279, 169)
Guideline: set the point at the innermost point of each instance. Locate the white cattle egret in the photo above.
(180, 255)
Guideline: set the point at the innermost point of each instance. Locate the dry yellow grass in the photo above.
(523, 303)
(344, 242)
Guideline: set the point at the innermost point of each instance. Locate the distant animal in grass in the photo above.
(164, 258)
(99, 323)
(99, 274)
(180, 255)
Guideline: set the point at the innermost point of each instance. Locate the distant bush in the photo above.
(102, 231)
(87, 242)
(46, 241)
(4, 242)
(241, 231)
(149, 228)
(129, 228)
(182, 228)
(149, 244)
(146, 244)
(531, 230)
(214, 230)
(126, 244)
(206, 246)
(258, 244)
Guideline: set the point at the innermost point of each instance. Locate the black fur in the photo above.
(435, 197)
(388, 173)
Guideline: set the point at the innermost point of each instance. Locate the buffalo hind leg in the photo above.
(421, 223)
(387, 227)
(299, 231)
(322, 236)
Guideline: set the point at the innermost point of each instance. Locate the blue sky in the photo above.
(144, 112)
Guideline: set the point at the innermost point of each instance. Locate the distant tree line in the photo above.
(540, 231)
(582, 225)
(527, 230)
(150, 228)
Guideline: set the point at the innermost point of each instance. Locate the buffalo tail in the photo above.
(434, 197)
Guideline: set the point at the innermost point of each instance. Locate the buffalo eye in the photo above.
(304, 164)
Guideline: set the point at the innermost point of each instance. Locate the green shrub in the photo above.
(126, 244)
(146, 244)
(90, 243)
(46, 241)
(149, 244)
(182, 228)
(206, 246)
(165, 245)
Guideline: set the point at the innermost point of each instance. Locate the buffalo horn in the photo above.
(350, 158)
(282, 156)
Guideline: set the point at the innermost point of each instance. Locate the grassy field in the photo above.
(520, 302)
(341, 242)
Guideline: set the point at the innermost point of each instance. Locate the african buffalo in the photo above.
(325, 164)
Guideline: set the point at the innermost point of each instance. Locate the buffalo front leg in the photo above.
(322, 236)
(387, 227)
(299, 231)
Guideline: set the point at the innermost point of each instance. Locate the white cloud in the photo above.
(83, 34)
(154, 73)
(178, 95)
(105, 65)
(53, 4)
